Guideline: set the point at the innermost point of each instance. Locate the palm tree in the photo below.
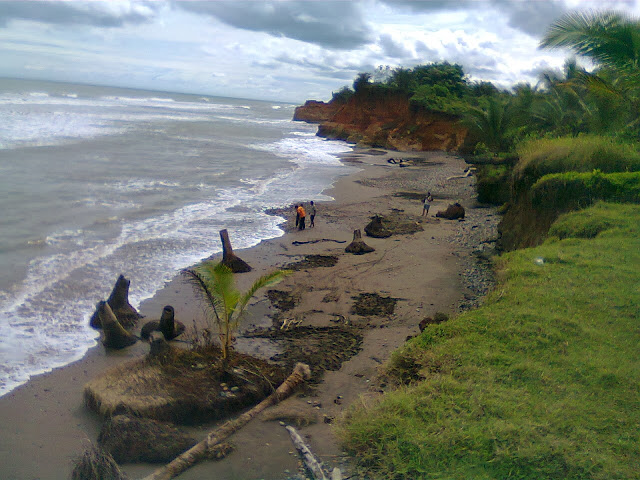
(226, 303)
(612, 41)
(491, 124)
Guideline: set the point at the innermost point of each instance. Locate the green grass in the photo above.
(580, 154)
(571, 190)
(542, 382)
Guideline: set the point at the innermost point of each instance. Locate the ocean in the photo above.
(99, 181)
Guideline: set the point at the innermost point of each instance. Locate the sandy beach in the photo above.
(44, 423)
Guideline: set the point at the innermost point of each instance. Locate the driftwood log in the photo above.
(229, 259)
(113, 334)
(119, 303)
(301, 372)
(310, 461)
(168, 325)
(357, 246)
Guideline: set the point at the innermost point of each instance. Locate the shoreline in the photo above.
(426, 271)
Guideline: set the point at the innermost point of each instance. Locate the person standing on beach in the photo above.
(302, 214)
(297, 215)
(426, 204)
(312, 214)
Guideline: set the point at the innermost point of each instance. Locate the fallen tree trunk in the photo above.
(200, 450)
(310, 461)
(229, 259)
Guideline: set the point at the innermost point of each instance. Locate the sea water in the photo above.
(97, 182)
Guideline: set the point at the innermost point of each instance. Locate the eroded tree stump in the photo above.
(167, 325)
(376, 229)
(453, 212)
(357, 246)
(120, 306)
(229, 259)
(113, 334)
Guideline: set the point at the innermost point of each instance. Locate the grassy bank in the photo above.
(540, 382)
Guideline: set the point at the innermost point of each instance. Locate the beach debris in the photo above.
(467, 173)
(394, 224)
(183, 386)
(130, 439)
(167, 325)
(96, 464)
(318, 240)
(200, 451)
(119, 303)
(453, 212)
(113, 334)
(292, 414)
(322, 348)
(367, 304)
(282, 300)
(229, 259)
(357, 246)
(311, 463)
(313, 261)
(439, 317)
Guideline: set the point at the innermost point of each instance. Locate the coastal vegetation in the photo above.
(542, 380)
(225, 303)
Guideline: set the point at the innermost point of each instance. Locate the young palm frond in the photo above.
(215, 282)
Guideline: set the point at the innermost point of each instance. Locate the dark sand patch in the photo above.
(313, 261)
(367, 304)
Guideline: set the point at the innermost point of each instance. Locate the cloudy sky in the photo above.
(276, 50)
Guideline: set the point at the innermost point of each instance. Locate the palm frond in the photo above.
(197, 280)
(609, 38)
(264, 281)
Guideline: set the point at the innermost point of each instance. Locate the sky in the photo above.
(285, 50)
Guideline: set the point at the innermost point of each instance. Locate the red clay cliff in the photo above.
(384, 121)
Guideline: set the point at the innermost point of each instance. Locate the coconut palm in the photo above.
(491, 124)
(226, 303)
(612, 41)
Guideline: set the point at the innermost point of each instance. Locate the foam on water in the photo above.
(149, 223)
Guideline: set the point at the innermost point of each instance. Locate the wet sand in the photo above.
(44, 423)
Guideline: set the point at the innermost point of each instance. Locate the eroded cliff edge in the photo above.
(387, 121)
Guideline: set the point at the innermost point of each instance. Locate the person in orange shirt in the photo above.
(302, 214)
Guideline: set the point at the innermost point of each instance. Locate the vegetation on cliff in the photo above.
(542, 380)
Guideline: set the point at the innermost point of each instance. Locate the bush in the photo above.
(493, 183)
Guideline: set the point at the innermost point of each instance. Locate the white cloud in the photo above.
(279, 50)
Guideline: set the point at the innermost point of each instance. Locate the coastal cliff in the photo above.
(384, 121)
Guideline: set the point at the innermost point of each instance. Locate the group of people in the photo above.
(301, 215)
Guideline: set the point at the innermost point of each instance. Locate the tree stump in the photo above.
(113, 334)
(357, 246)
(119, 303)
(168, 325)
(376, 229)
(453, 212)
(229, 259)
